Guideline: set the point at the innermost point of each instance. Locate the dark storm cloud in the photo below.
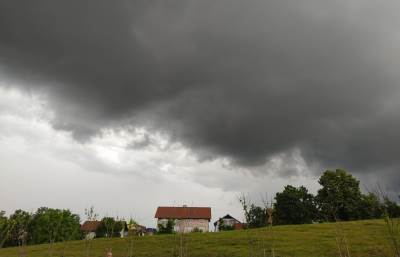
(243, 79)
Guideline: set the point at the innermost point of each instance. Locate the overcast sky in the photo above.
(129, 105)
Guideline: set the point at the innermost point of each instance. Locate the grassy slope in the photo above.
(366, 239)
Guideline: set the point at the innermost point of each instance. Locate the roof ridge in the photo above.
(174, 212)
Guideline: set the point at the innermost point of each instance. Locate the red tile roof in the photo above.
(183, 213)
(90, 225)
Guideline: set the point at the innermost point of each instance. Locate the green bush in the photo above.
(168, 228)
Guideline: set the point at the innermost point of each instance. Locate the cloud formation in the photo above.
(243, 80)
(41, 166)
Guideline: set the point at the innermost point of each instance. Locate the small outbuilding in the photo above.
(227, 223)
(90, 227)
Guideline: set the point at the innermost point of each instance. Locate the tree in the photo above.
(370, 207)
(70, 226)
(54, 225)
(244, 201)
(257, 217)
(21, 221)
(167, 228)
(110, 227)
(294, 206)
(45, 225)
(120, 225)
(222, 226)
(391, 207)
(340, 196)
(5, 228)
(107, 227)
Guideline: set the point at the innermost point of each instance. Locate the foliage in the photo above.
(110, 227)
(45, 225)
(196, 230)
(391, 207)
(340, 196)
(70, 226)
(257, 217)
(370, 207)
(3, 228)
(224, 227)
(168, 228)
(106, 228)
(119, 226)
(6, 226)
(21, 221)
(294, 206)
(54, 225)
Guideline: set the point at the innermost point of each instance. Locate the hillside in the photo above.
(365, 239)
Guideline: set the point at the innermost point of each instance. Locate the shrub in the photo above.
(168, 228)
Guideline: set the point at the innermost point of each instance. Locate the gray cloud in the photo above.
(246, 80)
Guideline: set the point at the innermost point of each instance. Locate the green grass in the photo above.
(365, 239)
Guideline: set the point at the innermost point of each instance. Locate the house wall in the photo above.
(187, 225)
(226, 222)
(230, 222)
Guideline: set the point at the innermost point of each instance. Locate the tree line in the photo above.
(339, 198)
(48, 225)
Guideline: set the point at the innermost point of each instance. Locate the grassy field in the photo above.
(365, 239)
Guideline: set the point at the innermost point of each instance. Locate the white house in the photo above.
(186, 219)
